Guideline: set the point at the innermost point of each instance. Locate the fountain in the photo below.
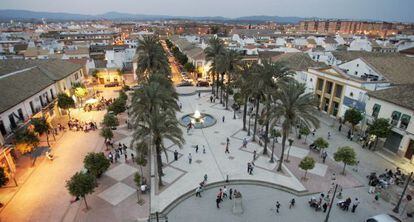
(198, 120)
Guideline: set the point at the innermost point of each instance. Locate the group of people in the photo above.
(76, 125)
(345, 204)
(121, 150)
(225, 193)
(385, 180)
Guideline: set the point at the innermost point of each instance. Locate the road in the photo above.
(175, 71)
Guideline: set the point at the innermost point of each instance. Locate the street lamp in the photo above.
(397, 207)
(330, 205)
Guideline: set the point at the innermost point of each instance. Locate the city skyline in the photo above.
(352, 9)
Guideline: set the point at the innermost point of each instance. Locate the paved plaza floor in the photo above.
(259, 205)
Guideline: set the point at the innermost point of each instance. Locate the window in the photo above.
(32, 107)
(375, 110)
(76, 76)
(351, 94)
(320, 84)
(329, 86)
(338, 91)
(405, 120)
(51, 93)
(357, 65)
(395, 117)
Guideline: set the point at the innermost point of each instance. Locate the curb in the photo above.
(190, 193)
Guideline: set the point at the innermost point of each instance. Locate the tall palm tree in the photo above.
(291, 105)
(151, 57)
(153, 115)
(213, 52)
(231, 65)
(243, 81)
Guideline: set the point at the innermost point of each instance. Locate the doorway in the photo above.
(410, 150)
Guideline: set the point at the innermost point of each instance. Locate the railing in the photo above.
(157, 217)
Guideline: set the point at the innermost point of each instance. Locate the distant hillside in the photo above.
(7, 14)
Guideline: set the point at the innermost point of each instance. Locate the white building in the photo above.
(31, 87)
(397, 105)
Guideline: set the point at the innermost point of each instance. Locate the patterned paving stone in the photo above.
(121, 171)
(117, 193)
(171, 174)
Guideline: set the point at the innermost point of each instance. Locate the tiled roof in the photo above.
(396, 68)
(298, 61)
(401, 95)
(21, 79)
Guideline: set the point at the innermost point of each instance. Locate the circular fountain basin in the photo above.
(199, 120)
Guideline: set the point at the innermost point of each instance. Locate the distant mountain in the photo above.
(7, 14)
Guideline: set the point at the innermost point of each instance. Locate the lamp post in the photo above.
(330, 205)
(397, 207)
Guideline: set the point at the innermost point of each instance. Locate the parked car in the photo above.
(383, 218)
(184, 83)
(203, 83)
(112, 84)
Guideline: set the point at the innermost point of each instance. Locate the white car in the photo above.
(383, 218)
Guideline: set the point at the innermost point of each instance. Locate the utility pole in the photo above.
(397, 207)
(330, 205)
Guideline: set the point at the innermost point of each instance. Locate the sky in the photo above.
(387, 10)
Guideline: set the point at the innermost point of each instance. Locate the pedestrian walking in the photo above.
(223, 118)
(355, 205)
(277, 206)
(292, 203)
(325, 206)
(244, 142)
(111, 158)
(340, 127)
(196, 148)
(199, 94)
(126, 157)
(248, 168)
(227, 150)
(198, 192)
(205, 177)
(231, 193)
(204, 149)
(218, 202)
(211, 99)
(324, 155)
(190, 158)
(228, 141)
(349, 134)
(225, 192)
(175, 155)
(132, 157)
(254, 155)
(329, 135)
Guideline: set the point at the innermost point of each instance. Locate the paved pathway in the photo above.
(181, 177)
(259, 205)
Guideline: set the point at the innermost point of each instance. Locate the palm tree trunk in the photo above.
(159, 161)
(255, 118)
(246, 98)
(279, 167)
(227, 97)
(47, 139)
(212, 85)
(217, 84)
(266, 140)
(221, 88)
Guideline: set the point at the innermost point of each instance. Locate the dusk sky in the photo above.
(389, 10)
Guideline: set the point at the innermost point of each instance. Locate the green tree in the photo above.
(26, 141)
(118, 106)
(292, 105)
(65, 102)
(381, 128)
(110, 120)
(3, 177)
(41, 126)
(153, 115)
(306, 164)
(189, 67)
(229, 65)
(107, 134)
(137, 180)
(243, 81)
(151, 58)
(320, 143)
(353, 116)
(304, 131)
(96, 163)
(346, 155)
(274, 133)
(123, 95)
(80, 91)
(213, 54)
(81, 184)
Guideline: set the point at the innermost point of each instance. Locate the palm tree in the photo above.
(213, 52)
(151, 57)
(243, 81)
(292, 105)
(231, 65)
(153, 115)
(41, 126)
